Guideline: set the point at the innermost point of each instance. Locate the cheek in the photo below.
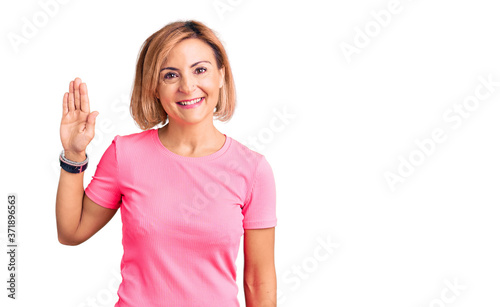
(167, 92)
(210, 84)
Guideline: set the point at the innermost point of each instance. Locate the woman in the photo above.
(187, 191)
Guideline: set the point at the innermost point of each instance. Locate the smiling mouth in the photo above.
(188, 102)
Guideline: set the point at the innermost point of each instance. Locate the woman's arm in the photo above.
(259, 272)
(77, 216)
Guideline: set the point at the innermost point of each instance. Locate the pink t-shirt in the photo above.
(183, 217)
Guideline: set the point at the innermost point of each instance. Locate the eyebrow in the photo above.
(173, 68)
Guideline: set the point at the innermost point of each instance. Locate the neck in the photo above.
(190, 138)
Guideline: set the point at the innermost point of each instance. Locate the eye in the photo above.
(169, 75)
(203, 69)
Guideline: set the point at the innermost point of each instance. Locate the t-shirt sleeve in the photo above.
(259, 209)
(104, 189)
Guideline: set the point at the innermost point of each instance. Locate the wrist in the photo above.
(73, 164)
(75, 156)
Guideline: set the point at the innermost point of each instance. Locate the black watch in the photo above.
(71, 166)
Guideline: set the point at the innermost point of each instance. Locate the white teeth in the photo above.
(184, 103)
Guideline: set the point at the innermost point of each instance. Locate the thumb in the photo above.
(91, 122)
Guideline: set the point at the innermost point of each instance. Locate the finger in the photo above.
(77, 93)
(84, 98)
(65, 104)
(90, 127)
(71, 98)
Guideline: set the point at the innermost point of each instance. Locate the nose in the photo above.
(187, 84)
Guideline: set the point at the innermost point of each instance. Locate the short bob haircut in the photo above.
(145, 107)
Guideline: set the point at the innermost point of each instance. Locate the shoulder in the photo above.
(245, 155)
(133, 144)
(134, 138)
(133, 147)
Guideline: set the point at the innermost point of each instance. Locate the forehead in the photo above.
(189, 51)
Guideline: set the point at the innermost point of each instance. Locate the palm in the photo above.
(77, 123)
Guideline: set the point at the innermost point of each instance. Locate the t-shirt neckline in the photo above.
(165, 150)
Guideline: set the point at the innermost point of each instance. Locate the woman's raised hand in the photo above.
(77, 124)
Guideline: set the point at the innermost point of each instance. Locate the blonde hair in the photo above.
(145, 107)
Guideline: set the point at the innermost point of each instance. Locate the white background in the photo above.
(351, 120)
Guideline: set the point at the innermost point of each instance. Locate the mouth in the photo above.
(190, 102)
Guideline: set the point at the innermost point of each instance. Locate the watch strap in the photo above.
(72, 166)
